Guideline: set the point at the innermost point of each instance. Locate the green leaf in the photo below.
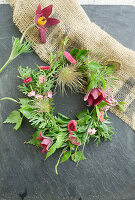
(24, 101)
(64, 43)
(91, 85)
(74, 52)
(121, 107)
(82, 114)
(82, 55)
(76, 157)
(103, 82)
(52, 149)
(24, 72)
(122, 102)
(84, 120)
(60, 139)
(14, 118)
(26, 111)
(94, 66)
(102, 104)
(34, 141)
(63, 117)
(98, 112)
(58, 144)
(66, 156)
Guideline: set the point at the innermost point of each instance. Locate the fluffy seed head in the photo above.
(43, 105)
(69, 76)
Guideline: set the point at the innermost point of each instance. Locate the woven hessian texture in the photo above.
(82, 33)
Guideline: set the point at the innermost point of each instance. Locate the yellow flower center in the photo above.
(42, 21)
(99, 94)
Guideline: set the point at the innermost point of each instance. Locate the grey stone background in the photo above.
(109, 171)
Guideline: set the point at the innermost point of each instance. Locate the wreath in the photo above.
(76, 71)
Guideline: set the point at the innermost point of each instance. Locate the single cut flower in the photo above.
(44, 67)
(72, 126)
(69, 57)
(49, 94)
(27, 80)
(95, 96)
(32, 93)
(73, 140)
(41, 79)
(101, 118)
(38, 96)
(110, 98)
(42, 20)
(92, 131)
(46, 142)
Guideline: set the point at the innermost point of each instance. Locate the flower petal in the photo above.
(52, 21)
(43, 34)
(87, 95)
(102, 92)
(45, 67)
(44, 150)
(36, 19)
(40, 138)
(72, 126)
(73, 140)
(47, 11)
(38, 11)
(98, 100)
(95, 93)
(69, 57)
(90, 100)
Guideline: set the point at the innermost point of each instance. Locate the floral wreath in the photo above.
(76, 71)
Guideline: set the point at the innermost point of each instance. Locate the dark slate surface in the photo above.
(109, 171)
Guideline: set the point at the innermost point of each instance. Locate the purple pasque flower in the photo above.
(95, 96)
(72, 126)
(46, 142)
(42, 20)
(73, 140)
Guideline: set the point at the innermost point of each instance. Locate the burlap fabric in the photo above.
(83, 34)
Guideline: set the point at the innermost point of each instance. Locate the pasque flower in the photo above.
(42, 20)
(72, 126)
(73, 140)
(95, 96)
(46, 143)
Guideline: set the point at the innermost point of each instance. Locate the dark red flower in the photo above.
(46, 143)
(72, 126)
(95, 96)
(73, 140)
(45, 67)
(27, 80)
(42, 20)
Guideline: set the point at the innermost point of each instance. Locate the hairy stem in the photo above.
(8, 61)
(25, 32)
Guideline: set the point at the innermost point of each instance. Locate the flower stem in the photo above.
(27, 29)
(8, 61)
(8, 98)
